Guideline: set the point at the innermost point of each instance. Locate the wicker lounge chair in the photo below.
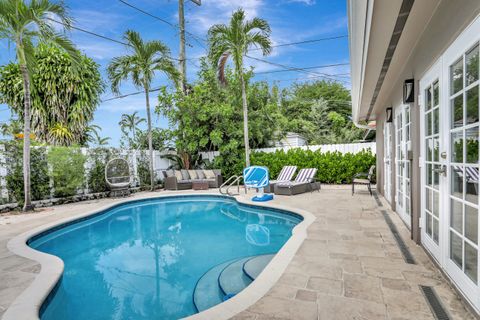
(364, 179)
(285, 175)
(305, 181)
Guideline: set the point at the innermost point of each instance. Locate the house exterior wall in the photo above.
(448, 21)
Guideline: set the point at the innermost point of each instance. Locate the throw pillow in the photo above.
(185, 175)
(178, 175)
(200, 174)
(209, 174)
(192, 174)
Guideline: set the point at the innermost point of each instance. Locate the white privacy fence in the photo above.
(132, 156)
(342, 148)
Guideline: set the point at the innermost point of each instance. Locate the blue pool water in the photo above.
(142, 260)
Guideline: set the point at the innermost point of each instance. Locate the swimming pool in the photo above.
(163, 258)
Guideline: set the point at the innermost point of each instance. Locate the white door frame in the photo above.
(432, 75)
(441, 251)
(403, 173)
(463, 43)
(387, 160)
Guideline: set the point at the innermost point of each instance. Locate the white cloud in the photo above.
(107, 22)
(219, 11)
(306, 2)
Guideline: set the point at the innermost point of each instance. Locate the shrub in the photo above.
(39, 180)
(96, 176)
(333, 167)
(67, 170)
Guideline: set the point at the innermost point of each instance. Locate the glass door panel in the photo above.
(402, 162)
(387, 161)
(464, 166)
(432, 161)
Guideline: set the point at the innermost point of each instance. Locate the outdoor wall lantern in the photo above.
(389, 117)
(408, 91)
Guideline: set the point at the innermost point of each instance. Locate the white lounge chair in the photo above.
(304, 181)
(285, 175)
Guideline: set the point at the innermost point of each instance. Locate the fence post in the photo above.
(3, 174)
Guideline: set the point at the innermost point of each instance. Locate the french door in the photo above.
(387, 161)
(450, 100)
(402, 162)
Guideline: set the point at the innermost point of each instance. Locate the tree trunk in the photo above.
(26, 140)
(245, 121)
(150, 143)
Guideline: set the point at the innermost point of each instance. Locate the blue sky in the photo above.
(290, 20)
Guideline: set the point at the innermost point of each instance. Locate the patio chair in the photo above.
(286, 174)
(304, 181)
(471, 177)
(118, 177)
(364, 179)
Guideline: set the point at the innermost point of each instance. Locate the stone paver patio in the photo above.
(349, 267)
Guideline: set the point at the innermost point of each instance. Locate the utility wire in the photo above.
(327, 76)
(303, 42)
(130, 94)
(195, 37)
(306, 68)
(311, 78)
(98, 35)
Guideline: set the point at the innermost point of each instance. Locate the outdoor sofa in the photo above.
(304, 181)
(182, 179)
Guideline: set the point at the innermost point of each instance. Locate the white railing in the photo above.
(342, 148)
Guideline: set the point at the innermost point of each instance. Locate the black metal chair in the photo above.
(365, 179)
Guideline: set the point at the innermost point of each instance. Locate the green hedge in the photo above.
(333, 167)
(39, 181)
(67, 170)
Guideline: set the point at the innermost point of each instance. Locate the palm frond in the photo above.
(222, 62)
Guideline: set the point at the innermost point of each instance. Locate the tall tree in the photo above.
(234, 40)
(145, 59)
(129, 124)
(23, 23)
(65, 98)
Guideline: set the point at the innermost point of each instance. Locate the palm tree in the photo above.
(130, 122)
(234, 40)
(23, 24)
(140, 66)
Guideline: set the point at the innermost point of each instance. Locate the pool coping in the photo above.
(27, 305)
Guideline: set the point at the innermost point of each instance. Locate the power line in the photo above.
(130, 94)
(89, 32)
(304, 42)
(311, 78)
(327, 76)
(198, 39)
(97, 35)
(305, 68)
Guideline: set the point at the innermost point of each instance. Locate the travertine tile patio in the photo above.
(349, 267)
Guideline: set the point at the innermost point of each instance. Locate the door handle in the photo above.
(442, 170)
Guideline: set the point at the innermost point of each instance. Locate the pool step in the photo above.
(232, 280)
(254, 266)
(227, 279)
(207, 292)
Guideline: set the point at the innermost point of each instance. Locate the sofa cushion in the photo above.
(169, 173)
(178, 175)
(209, 174)
(185, 174)
(200, 174)
(193, 174)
